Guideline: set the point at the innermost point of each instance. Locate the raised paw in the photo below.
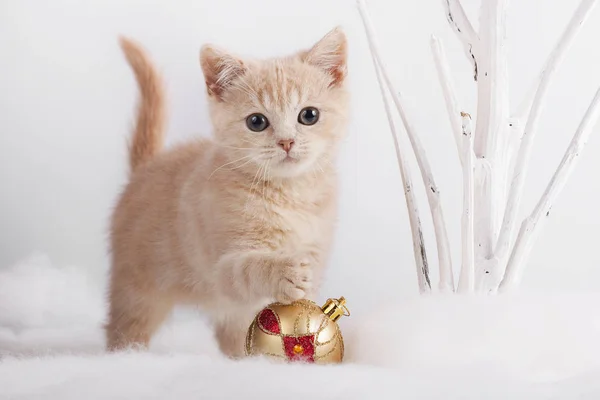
(294, 279)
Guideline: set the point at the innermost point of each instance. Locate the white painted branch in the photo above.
(433, 194)
(492, 106)
(466, 282)
(454, 112)
(520, 170)
(530, 227)
(459, 22)
(419, 250)
(490, 131)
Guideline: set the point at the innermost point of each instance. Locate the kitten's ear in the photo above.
(330, 54)
(220, 69)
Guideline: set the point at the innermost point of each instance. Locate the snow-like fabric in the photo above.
(527, 346)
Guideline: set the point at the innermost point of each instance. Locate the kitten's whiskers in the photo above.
(255, 179)
(229, 163)
(266, 177)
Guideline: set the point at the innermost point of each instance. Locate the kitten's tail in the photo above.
(148, 136)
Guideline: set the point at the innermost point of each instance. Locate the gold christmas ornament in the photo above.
(300, 331)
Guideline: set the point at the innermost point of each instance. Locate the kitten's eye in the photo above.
(308, 116)
(257, 122)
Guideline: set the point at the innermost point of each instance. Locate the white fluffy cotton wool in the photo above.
(526, 346)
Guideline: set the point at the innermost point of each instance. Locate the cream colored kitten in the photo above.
(234, 222)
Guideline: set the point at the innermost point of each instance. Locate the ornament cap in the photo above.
(335, 308)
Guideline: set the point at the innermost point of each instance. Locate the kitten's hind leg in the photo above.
(133, 320)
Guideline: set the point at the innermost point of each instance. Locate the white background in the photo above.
(67, 102)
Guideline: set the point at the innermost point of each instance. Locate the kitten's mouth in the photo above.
(289, 160)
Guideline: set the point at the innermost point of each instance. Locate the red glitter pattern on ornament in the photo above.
(307, 344)
(268, 322)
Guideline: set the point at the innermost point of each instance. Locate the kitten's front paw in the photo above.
(294, 279)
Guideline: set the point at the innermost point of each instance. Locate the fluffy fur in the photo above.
(234, 222)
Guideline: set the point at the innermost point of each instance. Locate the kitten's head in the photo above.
(284, 115)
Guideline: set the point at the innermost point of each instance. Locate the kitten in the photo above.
(234, 222)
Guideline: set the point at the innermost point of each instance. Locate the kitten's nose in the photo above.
(286, 144)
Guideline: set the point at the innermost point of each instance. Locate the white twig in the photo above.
(419, 250)
(454, 112)
(466, 282)
(459, 22)
(492, 106)
(490, 130)
(519, 174)
(531, 225)
(433, 194)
